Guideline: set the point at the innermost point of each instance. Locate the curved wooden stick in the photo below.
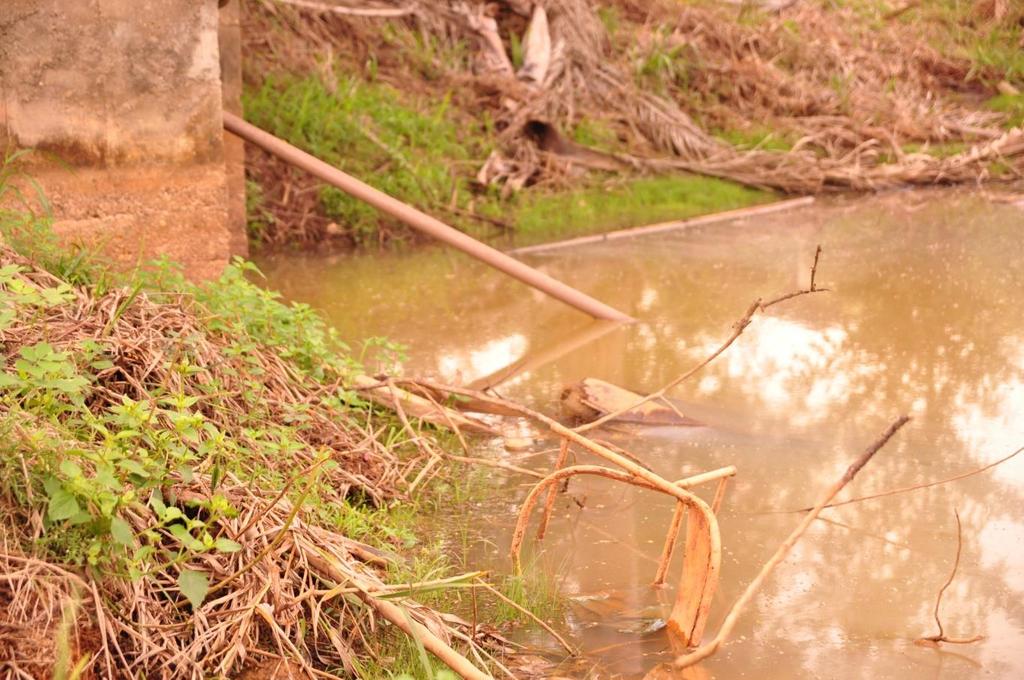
(549, 504)
(706, 577)
(701, 653)
(678, 515)
(699, 580)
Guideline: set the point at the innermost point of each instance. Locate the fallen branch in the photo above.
(941, 637)
(732, 617)
(471, 460)
(905, 489)
(738, 328)
(399, 618)
(549, 503)
(380, 393)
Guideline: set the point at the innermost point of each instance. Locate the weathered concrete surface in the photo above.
(122, 101)
(230, 38)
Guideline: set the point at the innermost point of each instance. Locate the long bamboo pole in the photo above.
(421, 221)
(661, 227)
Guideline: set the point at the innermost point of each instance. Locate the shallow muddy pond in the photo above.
(925, 317)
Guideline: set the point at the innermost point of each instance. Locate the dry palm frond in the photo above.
(853, 96)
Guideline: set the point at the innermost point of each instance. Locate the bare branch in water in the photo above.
(738, 328)
(941, 637)
(906, 489)
(732, 617)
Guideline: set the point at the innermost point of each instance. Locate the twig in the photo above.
(351, 11)
(941, 637)
(738, 328)
(671, 536)
(549, 502)
(906, 489)
(496, 464)
(732, 617)
(536, 619)
(396, 615)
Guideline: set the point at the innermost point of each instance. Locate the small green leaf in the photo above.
(194, 585)
(62, 505)
(156, 501)
(122, 532)
(186, 473)
(226, 545)
(185, 538)
(79, 518)
(133, 467)
(70, 469)
(52, 485)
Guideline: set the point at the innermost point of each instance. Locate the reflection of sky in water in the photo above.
(924, 318)
(782, 363)
(461, 367)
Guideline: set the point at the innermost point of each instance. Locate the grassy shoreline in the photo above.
(171, 450)
(424, 152)
(791, 100)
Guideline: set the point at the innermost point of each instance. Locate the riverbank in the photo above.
(192, 485)
(645, 112)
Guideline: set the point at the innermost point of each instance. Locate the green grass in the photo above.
(756, 137)
(637, 202)
(416, 150)
(596, 134)
(1011, 105)
(423, 152)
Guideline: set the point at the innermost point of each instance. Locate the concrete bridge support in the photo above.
(122, 101)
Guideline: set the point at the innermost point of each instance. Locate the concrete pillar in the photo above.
(121, 100)
(230, 39)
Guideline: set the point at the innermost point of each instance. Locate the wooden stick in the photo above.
(351, 11)
(941, 637)
(470, 460)
(699, 579)
(549, 503)
(536, 619)
(732, 617)
(716, 504)
(422, 222)
(756, 306)
(395, 615)
(661, 227)
(906, 489)
(678, 515)
(526, 509)
(673, 531)
(417, 406)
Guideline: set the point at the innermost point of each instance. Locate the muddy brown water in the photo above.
(925, 317)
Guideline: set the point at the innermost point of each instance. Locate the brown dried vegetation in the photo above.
(818, 96)
(287, 583)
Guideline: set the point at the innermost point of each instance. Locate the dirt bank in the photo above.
(436, 104)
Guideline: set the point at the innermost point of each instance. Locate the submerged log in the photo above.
(591, 399)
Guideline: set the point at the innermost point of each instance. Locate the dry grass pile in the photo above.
(182, 466)
(855, 96)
